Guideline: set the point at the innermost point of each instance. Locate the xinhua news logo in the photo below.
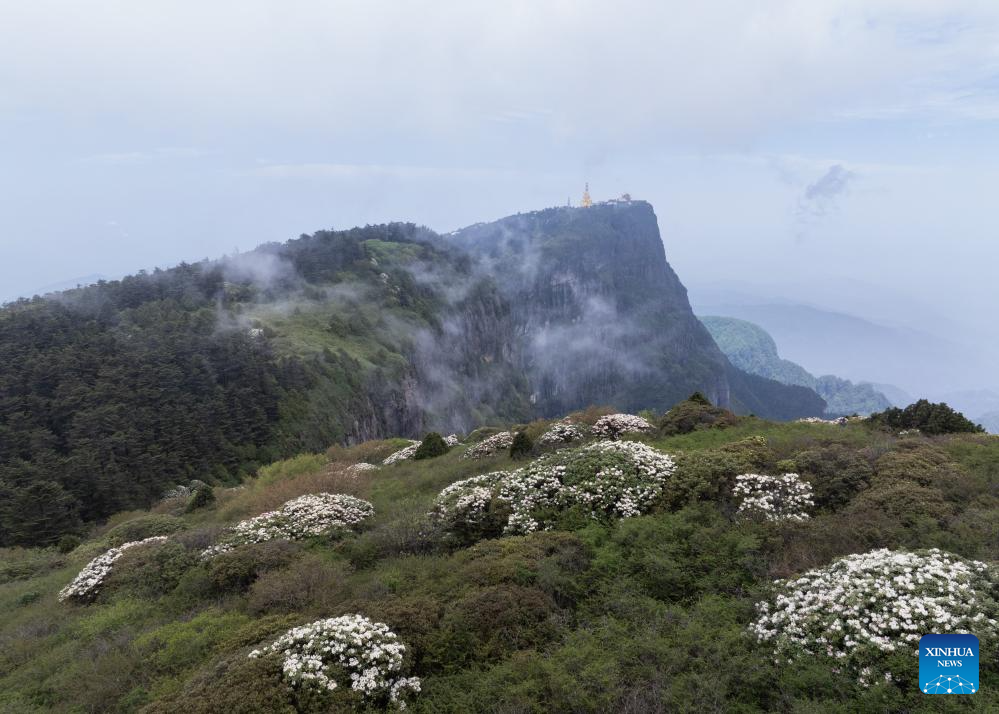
(948, 664)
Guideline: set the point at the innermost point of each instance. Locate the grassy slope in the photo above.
(647, 615)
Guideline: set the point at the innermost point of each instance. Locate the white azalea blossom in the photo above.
(360, 467)
(350, 650)
(863, 607)
(452, 440)
(774, 498)
(613, 426)
(466, 501)
(302, 517)
(609, 478)
(402, 454)
(490, 445)
(88, 582)
(562, 432)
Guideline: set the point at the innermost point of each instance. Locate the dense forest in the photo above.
(112, 393)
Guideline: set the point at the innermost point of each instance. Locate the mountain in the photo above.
(897, 396)
(111, 393)
(605, 318)
(830, 342)
(752, 349)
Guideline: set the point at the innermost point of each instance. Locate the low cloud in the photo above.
(822, 196)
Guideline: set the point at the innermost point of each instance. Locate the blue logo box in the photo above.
(948, 664)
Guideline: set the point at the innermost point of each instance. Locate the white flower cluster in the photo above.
(841, 421)
(610, 478)
(614, 425)
(89, 580)
(184, 490)
(402, 454)
(562, 432)
(360, 467)
(452, 440)
(466, 502)
(490, 445)
(862, 607)
(353, 646)
(613, 478)
(774, 498)
(310, 515)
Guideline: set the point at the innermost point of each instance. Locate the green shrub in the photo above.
(710, 474)
(236, 685)
(682, 556)
(903, 502)
(203, 497)
(311, 583)
(522, 446)
(836, 473)
(288, 468)
(926, 416)
(492, 622)
(235, 570)
(928, 466)
(432, 446)
(68, 543)
(144, 527)
(693, 414)
(698, 398)
(149, 572)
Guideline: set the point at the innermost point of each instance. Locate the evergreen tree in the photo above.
(433, 445)
(522, 446)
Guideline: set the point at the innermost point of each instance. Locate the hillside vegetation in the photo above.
(111, 395)
(649, 613)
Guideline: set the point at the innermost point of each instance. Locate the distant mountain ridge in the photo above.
(752, 349)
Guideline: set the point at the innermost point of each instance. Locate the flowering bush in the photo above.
(561, 432)
(348, 650)
(407, 452)
(774, 498)
(613, 426)
(862, 608)
(463, 506)
(452, 440)
(618, 479)
(360, 467)
(490, 445)
(302, 517)
(608, 478)
(840, 421)
(86, 584)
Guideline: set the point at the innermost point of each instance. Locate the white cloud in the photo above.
(724, 71)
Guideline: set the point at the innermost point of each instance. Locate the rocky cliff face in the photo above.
(601, 316)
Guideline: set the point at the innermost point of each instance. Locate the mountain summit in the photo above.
(604, 319)
(112, 392)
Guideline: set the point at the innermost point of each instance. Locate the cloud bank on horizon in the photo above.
(819, 143)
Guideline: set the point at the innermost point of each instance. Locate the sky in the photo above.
(836, 152)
